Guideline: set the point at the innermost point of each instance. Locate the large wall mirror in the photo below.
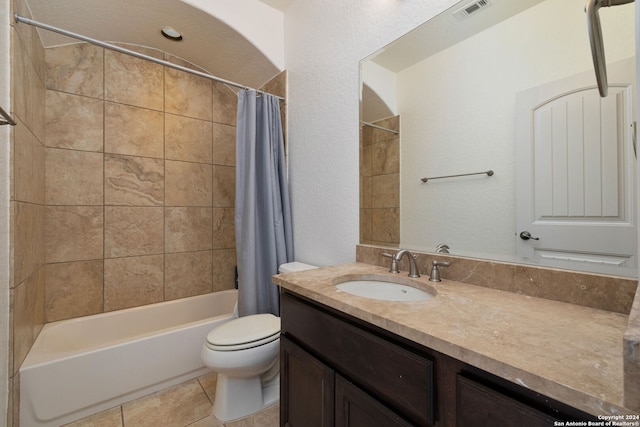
(508, 87)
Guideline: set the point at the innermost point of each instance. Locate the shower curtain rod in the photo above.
(105, 45)
(380, 127)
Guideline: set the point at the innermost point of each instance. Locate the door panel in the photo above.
(576, 171)
(307, 388)
(355, 408)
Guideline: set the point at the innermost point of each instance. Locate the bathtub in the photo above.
(81, 366)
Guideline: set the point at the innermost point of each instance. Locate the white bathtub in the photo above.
(81, 366)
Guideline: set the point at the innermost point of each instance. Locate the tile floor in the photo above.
(186, 404)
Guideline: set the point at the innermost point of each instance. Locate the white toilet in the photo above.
(245, 354)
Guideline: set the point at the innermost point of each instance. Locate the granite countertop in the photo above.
(567, 352)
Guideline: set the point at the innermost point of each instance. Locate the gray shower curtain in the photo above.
(263, 213)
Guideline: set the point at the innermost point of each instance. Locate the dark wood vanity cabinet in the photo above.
(340, 371)
(478, 405)
(320, 397)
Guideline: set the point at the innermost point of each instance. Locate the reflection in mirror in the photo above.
(509, 88)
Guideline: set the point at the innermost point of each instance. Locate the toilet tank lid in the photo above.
(295, 266)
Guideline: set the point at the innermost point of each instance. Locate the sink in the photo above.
(383, 287)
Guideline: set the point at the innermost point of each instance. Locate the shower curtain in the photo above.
(263, 213)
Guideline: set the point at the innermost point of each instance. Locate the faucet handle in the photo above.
(394, 263)
(441, 263)
(435, 273)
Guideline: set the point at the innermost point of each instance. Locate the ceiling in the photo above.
(277, 4)
(208, 42)
(444, 31)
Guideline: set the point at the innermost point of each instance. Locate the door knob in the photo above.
(525, 235)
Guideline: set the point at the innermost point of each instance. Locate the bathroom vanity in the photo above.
(469, 356)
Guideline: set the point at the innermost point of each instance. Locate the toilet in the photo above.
(245, 354)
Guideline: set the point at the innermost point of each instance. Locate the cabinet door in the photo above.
(480, 406)
(355, 408)
(306, 388)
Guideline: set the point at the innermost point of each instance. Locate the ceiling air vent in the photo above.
(470, 9)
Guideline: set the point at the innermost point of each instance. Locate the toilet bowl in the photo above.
(245, 354)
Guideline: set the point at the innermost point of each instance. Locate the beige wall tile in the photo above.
(28, 315)
(28, 91)
(385, 191)
(179, 61)
(365, 159)
(74, 233)
(187, 274)
(177, 406)
(187, 184)
(365, 225)
(385, 157)
(149, 51)
(74, 121)
(76, 68)
(109, 418)
(73, 177)
(187, 139)
(224, 186)
(365, 192)
(188, 229)
(224, 265)
(132, 231)
(187, 94)
(225, 104)
(133, 131)
(133, 181)
(29, 36)
(385, 225)
(134, 281)
(224, 231)
(277, 85)
(28, 239)
(29, 179)
(133, 81)
(73, 289)
(224, 145)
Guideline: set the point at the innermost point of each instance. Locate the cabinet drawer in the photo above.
(394, 375)
(478, 405)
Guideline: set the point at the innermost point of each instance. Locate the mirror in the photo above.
(507, 87)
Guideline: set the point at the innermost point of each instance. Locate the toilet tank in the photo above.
(290, 267)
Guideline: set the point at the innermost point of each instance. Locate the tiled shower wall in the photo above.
(140, 182)
(380, 184)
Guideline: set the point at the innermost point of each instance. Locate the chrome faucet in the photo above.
(413, 267)
(435, 273)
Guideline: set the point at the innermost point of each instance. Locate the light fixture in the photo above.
(171, 34)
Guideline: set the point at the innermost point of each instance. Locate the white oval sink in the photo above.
(381, 288)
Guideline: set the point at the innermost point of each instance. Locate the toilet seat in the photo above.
(244, 332)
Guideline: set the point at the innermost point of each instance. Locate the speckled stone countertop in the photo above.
(567, 352)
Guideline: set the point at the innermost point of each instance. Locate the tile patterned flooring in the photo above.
(186, 404)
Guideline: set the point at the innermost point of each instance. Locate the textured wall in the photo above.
(324, 42)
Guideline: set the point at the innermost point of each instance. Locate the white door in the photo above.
(576, 172)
